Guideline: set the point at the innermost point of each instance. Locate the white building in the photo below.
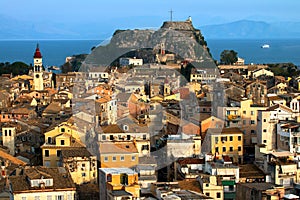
(266, 124)
(130, 61)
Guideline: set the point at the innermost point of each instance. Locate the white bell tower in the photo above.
(38, 80)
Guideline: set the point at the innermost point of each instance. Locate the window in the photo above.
(244, 112)
(265, 120)
(24, 198)
(105, 159)
(70, 196)
(253, 131)
(58, 153)
(49, 140)
(145, 147)
(62, 142)
(265, 130)
(224, 138)
(109, 178)
(217, 149)
(5, 132)
(252, 113)
(128, 137)
(103, 137)
(239, 138)
(46, 153)
(114, 158)
(224, 149)
(122, 158)
(218, 195)
(59, 197)
(133, 158)
(49, 197)
(144, 137)
(239, 148)
(9, 132)
(83, 174)
(244, 122)
(216, 140)
(252, 122)
(62, 130)
(37, 198)
(207, 194)
(265, 141)
(231, 138)
(231, 149)
(111, 137)
(124, 179)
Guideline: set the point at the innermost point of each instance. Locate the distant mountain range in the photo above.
(11, 28)
(247, 29)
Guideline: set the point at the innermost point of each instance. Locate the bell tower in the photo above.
(38, 80)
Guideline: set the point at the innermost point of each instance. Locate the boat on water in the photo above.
(265, 46)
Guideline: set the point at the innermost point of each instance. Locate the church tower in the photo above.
(38, 70)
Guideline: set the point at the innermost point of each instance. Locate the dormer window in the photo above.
(125, 127)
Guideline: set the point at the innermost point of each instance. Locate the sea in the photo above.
(55, 51)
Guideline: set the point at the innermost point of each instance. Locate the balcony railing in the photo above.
(233, 117)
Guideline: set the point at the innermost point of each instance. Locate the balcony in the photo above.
(233, 117)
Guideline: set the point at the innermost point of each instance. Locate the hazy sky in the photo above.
(112, 14)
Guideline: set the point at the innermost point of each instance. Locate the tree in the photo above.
(228, 57)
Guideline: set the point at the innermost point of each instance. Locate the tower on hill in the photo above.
(38, 69)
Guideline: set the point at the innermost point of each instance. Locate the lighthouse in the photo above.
(38, 80)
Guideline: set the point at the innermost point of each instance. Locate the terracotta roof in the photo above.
(274, 98)
(53, 108)
(24, 110)
(75, 152)
(120, 147)
(250, 171)
(12, 159)
(272, 108)
(186, 161)
(192, 185)
(61, 179)
(233, 130)
(113, 128)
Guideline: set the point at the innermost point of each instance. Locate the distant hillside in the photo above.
(246, 29)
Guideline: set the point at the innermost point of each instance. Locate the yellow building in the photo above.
(210, 187)
(244, 117)
(62, 136)
(81, 164)
(224, 142)
(118, 154)
(118, 183)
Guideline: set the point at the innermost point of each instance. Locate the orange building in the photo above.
(118, 183)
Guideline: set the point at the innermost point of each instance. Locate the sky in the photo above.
(83, 16)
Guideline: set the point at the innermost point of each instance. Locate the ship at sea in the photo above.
(265, 46)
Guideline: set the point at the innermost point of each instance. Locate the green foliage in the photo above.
(16, 68)
(228, 57)
(284, 69)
